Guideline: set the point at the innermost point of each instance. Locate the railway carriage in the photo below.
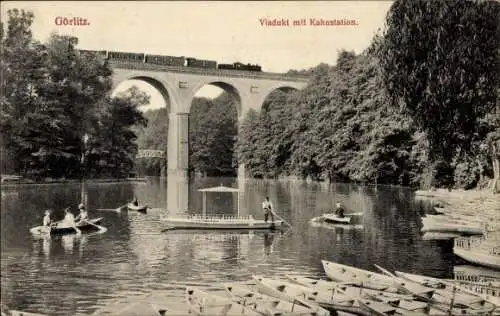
(165, 60)
(133, 57)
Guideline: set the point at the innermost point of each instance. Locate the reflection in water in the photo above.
(177, 195)
(46, 242)
(268, 243)
(68, 242)
(135, 257)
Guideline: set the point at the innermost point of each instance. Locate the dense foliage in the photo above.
(338, 128)
(56, 116)
(441, 62)
(212, 133)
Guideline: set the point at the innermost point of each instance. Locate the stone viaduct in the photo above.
(179, 84)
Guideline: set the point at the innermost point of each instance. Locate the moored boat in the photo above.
(448, 293)
(205, 221)
(137, 208)
(288, 292)
(478, 251)
(403, 301)
(488, 292)
(476, 274)
(60, 227)
(264, 304)
(332, 218)
(452, 226)
(204, 303)
(373, 280)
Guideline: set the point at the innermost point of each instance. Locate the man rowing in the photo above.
(135, 202)
(83, 216)
(69, 220)
(47, 221)
(339, 211)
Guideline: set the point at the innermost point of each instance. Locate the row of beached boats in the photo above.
(475, 238)
(348, 291)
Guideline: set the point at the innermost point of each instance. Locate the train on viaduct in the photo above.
(171, 61)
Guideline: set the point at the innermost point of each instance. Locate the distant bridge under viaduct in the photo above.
(179, 84)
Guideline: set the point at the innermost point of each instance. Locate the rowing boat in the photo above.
(264, 304)
(376, 281)
(332, 218)
(452, 226)
(405, 302)
(61, 228)
(204, 303)
(487, 291)
(444, 292)
(137, 208)
(284, 291)
(478, 251)
(451, 302)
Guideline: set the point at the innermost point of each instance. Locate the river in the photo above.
(72, 275)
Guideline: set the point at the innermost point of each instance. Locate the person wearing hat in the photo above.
(83, 216)
(339, 211)
(69, 220)
(46, 219)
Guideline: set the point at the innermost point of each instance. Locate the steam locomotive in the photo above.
(172, 61)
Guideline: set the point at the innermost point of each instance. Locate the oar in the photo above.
(78, 232)
(385, 271)
(281, 218)
(118, 209)
(354, 214)
(101, 228)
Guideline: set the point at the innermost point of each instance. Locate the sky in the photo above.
(224, 31)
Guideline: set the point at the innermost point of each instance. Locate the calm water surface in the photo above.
(73, 275)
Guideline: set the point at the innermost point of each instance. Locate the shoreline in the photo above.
(482, 203)
(22, 181)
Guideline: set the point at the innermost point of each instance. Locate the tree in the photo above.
(23, 64)
(212, 134)
(440, 62)
(112, 145)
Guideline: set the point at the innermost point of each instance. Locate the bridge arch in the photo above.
(164, 87)
(281, 87)
(224, 85)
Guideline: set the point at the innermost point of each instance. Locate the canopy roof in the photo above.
(220, 188)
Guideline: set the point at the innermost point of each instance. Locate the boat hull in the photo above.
(480, 258)
(60, 230)
(450, 227)
(140, 208)
(186, 223)
(332, 218)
